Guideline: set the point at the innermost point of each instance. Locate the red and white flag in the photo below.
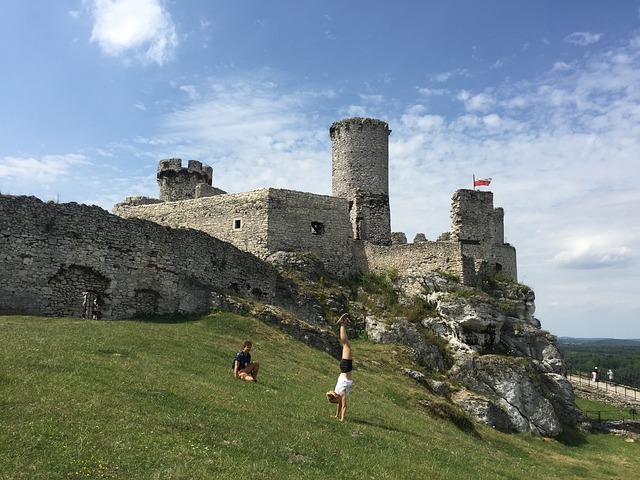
(480, 182)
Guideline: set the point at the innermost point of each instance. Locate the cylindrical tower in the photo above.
(179, 183)
(360, 173)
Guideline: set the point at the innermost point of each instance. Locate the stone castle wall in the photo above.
(263, 222)
(415, 258)
(80, 261)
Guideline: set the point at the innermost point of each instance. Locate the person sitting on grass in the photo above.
(243, 367)
(343, 386)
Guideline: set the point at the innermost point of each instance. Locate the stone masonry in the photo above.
(172, 253)
(78, 261)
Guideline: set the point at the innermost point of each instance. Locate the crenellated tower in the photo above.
(360, 173)
(179, 183)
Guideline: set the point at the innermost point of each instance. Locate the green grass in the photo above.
(145, 400)
(603, 411)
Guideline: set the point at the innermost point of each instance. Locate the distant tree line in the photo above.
(624, 360)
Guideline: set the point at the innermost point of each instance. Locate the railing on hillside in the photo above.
(603, 416)
(606, 386)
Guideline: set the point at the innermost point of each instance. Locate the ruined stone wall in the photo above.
(484, 261)
(312, 223)
(415, 258)
(81, 261)
(238, 218)
(263, 222)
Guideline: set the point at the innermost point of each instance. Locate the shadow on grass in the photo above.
(377, 425)
(572, 437)
(455, 415)
(175, 318)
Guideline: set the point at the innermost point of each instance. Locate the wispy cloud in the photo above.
(583, 38)
(444, 76)
(47, 168)
(588, 258)
(142, 28)
(253, 121)
(476, 102)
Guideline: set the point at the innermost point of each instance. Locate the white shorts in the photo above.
(343, 384)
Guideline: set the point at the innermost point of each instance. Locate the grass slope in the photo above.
(143, 400)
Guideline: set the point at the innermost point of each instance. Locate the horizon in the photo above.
(541, 97)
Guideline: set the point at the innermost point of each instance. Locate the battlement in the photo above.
(349, 126)
(179, 183)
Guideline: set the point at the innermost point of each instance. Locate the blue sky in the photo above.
(542, 96)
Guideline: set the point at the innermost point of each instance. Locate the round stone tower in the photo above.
(360, 173)
(179, 183)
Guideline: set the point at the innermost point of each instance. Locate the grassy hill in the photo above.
(156, 400)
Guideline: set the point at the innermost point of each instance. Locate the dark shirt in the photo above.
(243, 360)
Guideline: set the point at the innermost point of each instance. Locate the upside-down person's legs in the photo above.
(344, 339)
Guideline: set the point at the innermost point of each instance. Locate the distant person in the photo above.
(610, 375)
(243, 367)
(594, 376)
(344, 383)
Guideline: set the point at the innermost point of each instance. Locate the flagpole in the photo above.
(474, 181)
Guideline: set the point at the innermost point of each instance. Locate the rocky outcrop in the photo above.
(424, 353)
(503, 369)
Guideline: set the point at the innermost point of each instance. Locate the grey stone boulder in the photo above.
(403, 332)
(515, 391)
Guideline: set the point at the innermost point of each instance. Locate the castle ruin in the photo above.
(171, 254)
(350, 231)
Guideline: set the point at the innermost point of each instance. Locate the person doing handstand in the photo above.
(343, 386)
(242, 365)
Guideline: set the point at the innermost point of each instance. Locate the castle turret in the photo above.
(479, 228)
(360, 173)
(179, 183)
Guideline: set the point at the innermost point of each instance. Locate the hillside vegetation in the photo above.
(157, 400)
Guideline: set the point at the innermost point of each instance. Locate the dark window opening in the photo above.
(317, 228)
(237, 224)
(498, 267)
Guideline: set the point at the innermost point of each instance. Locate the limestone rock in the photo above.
(514, 392)
(511, 372)
(404, 333)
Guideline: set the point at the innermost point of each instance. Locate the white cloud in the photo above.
(22, 175)
(561, 67)
(49, 168)
(444, 76)
(141, 27)
(431, 92)
(190, 90)
(240, 125)
(583, 38)
(588, 258)
(479, 102)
